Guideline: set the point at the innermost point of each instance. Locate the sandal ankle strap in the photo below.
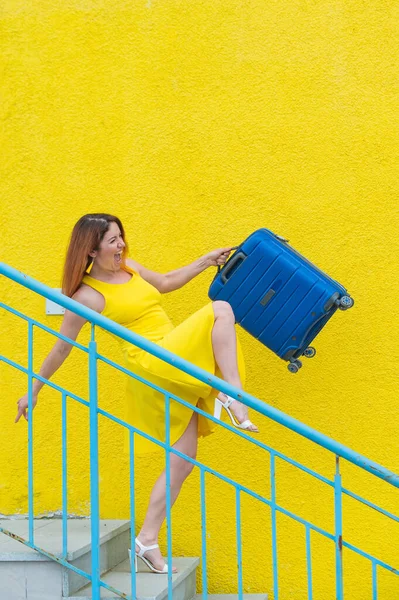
(144, 549)
(229, 401)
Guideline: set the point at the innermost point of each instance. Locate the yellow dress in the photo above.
(136, 305)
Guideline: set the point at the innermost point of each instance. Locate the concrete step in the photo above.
(28, 575)
(149, 586)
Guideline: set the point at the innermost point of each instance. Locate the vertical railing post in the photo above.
(203, 537)
(338, 531)
(94, 471)
(168, 498)
(30, 432)
(374, 580)
(132, 517)
(309, 563)
(274, 525)
(64, 478)
(239, 544)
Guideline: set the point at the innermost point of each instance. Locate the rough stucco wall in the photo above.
(198, 123)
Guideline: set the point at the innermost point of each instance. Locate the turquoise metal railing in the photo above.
(339, 451)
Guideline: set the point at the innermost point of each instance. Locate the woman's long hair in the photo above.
(86, 237)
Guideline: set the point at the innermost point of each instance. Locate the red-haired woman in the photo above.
(125, 291)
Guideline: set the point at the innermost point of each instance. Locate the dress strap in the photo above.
(93, 283)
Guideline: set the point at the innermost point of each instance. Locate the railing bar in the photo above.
(370, 504)
(30, 433)
(303, 468)
(67, 565)
(102, 412)
(64, 478)
(132, 516)
(141, 433)
(64, 563)
(338, 531)
(256, 496)
(377, 561)
(15, 312)
(239, 544)
(374, 571)
(313, 527)
(278, 454)
(44, 380)
(87, 575)
(278, 509)
(94, 473)
(44, 327)
(153, 386)
(57, 559)
(274, 525)
(217, 421)
(215, 382)
(209, 416)
(193, 461)
(216, 474)
(168, 497)
(199, 411)
(61, 337)
(188, 405)
(309, 564)
(119, 593)
(203, 536)
(370, 467)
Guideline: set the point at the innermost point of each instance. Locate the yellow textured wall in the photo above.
(196, 123)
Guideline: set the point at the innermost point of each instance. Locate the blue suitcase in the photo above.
(278, 296)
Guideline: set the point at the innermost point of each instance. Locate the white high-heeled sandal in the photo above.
(140, 554)
(218, 411)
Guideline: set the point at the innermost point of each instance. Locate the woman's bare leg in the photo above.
(179, 471)
(224, 342)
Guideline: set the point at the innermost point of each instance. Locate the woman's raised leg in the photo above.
(224, 342)
(179, 471)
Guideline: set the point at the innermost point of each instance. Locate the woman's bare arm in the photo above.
(71, 326)
(174, 280)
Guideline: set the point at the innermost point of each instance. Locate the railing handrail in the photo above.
(252, 402)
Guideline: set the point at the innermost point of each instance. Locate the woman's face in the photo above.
(109, 253)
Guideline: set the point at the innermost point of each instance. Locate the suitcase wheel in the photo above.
(310, 352)
(294, 367)
(345, 302)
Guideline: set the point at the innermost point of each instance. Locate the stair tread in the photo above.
(48, 535)
(148, 585)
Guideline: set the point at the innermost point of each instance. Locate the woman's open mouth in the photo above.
(118, 258)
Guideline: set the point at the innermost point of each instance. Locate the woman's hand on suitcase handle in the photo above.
(218, 257)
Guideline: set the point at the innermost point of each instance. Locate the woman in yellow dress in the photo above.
(123, 290)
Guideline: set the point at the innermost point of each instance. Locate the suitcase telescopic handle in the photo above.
(281, 238)
(231, 265)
